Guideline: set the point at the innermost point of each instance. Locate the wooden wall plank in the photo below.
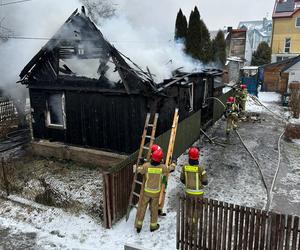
(220, 225)
(251, 230)
(288, 232)
(236, 227)
(230, 227)
(295, 233)
(241, 227)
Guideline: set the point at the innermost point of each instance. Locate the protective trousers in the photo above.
(231, 122)
(143, 204)
(243, 105)
(191, 206)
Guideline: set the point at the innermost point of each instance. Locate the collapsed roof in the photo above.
(78, 51)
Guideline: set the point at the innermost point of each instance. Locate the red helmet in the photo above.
(157, 155)
(154, 148)
(194, 153)
(230, 99)
(243, 86)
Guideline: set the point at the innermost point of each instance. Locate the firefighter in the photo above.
(153, 173)
(241, 97)
(231, 113)
(193, 175)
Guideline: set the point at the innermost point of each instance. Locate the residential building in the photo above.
(286, 30)
(257, 31)
(278, 75)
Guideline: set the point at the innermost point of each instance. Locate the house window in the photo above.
(298, 21)
(56, 111)
(191, 96)
(287, 45)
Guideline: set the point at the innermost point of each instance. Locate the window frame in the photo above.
(285, 47)
(205, 92)
(191, 96)
(297, 18)
(49, 124)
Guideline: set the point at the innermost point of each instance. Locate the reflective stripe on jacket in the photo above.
(153, 180)
(193, 179)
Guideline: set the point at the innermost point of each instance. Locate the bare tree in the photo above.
(99, 9)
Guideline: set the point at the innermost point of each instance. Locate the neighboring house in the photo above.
(278, 75)
(286, 30)
(236, 42)
(84, 92)
(257, 32)
(235, 51)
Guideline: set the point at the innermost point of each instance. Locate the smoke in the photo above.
(142, 30)
(37, 19)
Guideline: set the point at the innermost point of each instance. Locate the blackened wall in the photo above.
(93, 120)
(115, 121)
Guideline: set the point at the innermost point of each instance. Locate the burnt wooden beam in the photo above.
(177, 79)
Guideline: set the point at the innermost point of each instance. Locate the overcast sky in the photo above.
(215, 13)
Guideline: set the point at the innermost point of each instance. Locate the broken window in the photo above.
(56, 110)
(287, 45)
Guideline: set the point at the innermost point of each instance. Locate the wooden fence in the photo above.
(209, 224)
(7, 109)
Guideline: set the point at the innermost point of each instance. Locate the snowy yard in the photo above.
(233, 177)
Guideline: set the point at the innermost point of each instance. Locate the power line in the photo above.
(55, 39)
(14, 2)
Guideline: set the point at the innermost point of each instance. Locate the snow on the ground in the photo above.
(269, 97)
(58, 229)
(297, 141)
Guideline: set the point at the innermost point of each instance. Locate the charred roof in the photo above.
(78, 52)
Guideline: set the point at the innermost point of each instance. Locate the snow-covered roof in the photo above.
(250, 68)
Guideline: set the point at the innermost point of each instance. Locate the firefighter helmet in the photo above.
(243, 86)
(230, 99)
(154, 148)
(194, 153)
(157, 155)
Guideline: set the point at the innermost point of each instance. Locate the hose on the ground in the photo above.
(259, 167)
(276, 173)
(270, 191)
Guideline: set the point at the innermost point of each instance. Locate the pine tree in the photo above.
(262, 55)
(206, 45)
(198, 43)
(219, 48)
(194, 35)
(180, 26)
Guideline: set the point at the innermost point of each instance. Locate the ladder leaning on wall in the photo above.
(169, 158)
(143, 156)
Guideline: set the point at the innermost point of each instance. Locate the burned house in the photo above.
(84, 92)
(89, 103)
